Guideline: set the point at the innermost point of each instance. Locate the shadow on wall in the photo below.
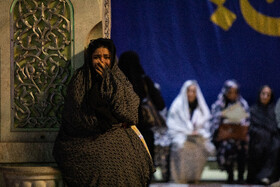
(95, 32)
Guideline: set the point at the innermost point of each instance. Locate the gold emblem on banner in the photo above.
(222, 16)
(261, 23)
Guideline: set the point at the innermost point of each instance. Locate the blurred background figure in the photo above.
(187, 122)
(129, 63)
(277, 112)
(264, 144)
(230, 150)
(162, 149)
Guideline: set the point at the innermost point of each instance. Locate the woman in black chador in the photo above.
(129, 63)
(98, 144)
(264, 141)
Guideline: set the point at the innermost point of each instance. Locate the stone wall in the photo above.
(28, 147)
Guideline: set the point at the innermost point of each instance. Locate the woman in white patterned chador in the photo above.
(188, 127)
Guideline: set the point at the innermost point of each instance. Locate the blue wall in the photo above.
(176, 41)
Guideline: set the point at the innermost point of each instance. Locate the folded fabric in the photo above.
(234, 113)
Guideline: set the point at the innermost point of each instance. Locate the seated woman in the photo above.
(187, 123)
(264, 142)
(230, 150)
(98, 143)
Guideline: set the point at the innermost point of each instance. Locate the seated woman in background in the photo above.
(129, 63)
(230, 150)
(264, 142)
(187, 123)
(277, 112)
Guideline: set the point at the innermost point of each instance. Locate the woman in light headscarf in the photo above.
(229, 150)
(188, 127)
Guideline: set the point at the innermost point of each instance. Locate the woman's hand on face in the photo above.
(100, 68)
(101, 60)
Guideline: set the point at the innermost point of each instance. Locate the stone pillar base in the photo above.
(31, 176)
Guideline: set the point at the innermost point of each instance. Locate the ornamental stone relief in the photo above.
(41, 50)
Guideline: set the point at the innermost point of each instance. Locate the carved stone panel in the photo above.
(41, 40)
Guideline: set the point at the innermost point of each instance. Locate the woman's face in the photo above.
(101, 58)
(265, 95)
(232, 94)
(191, 93)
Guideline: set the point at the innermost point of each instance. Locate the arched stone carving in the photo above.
(95, 32)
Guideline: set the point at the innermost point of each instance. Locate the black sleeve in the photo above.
(155, 94)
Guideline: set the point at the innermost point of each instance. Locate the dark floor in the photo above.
(202, 184)
(211, 176)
